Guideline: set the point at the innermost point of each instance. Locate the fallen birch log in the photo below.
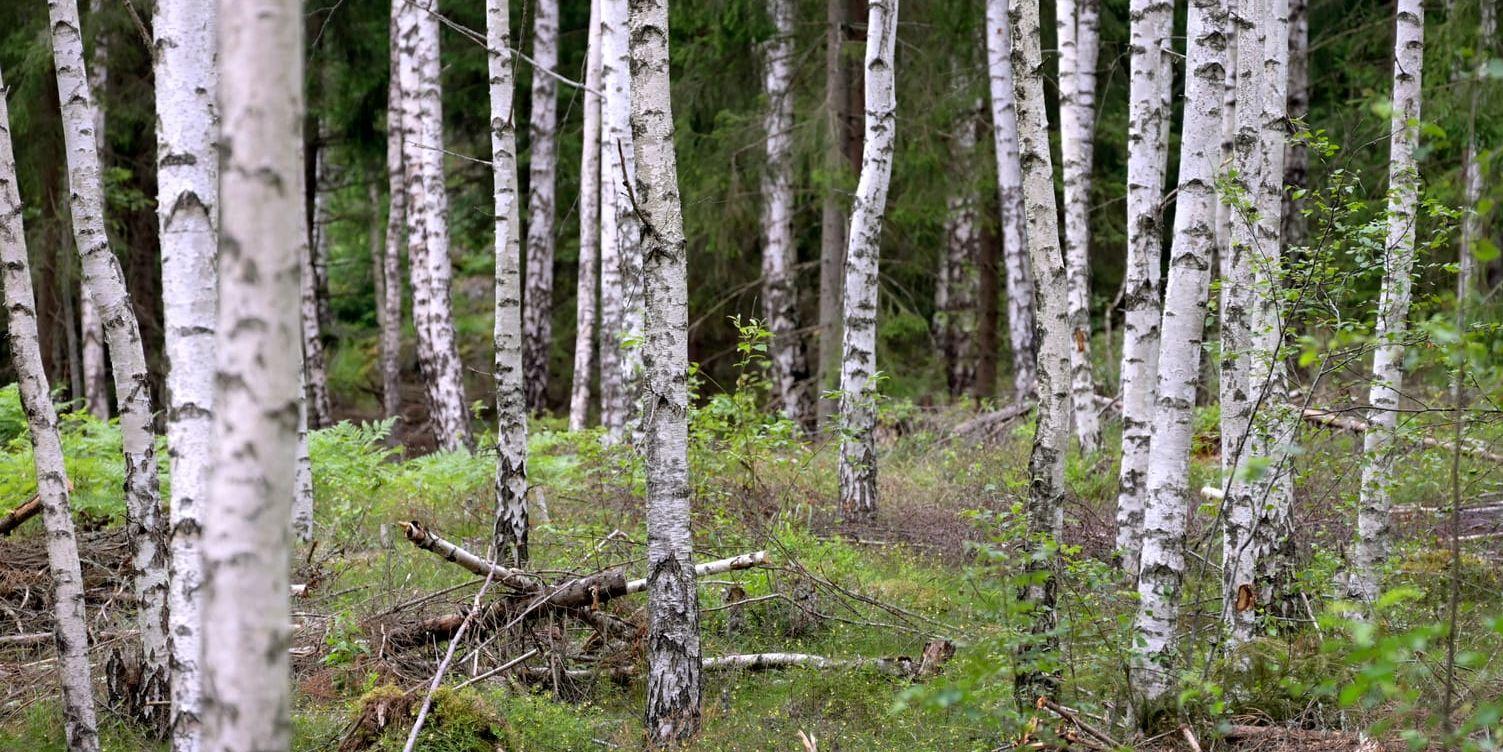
(990, 421)
(515, 579)
(1328, 418)
(18, 516)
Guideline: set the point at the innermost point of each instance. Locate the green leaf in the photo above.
(1484, 250)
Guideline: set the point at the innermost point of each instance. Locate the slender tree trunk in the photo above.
(537, 313)
(1296, 157)
(955, 295)
(858, 382)
(1468, 276)
(247, 676)
(1078, 22)
(673, 649)
(96, 377)
(1046, 460)
(105, 283)
(302, 476)
(428, 229)
(1149, 114)
(620, 237)
(396, 230)
(1161, 571)
(1015, 254)
(511, 404)
(187, 83)
(1393, 303)
(68, 626)
(832, 233)
(315, 359)
(790, 369)
(988, 292)
(588, 290)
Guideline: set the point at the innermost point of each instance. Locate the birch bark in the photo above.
(1149, 113)
(1161, 571)
(396, 236)
(315, 360)
(511, 404)
(537, 312)
(959, 277)
(620, 238)
(858, 374)
(1015, 254)
(790, 369)
(1373, 532)
(246, 615)
(105, 283)
(95, 375)
(1296, 157)
(588, 290)
(673, 648)
(68, 627)
(187, 82)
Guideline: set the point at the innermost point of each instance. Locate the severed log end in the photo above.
(18, 516)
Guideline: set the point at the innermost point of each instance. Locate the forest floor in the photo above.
(942, 560)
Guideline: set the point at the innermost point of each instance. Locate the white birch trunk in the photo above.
(790, 368)
(511, 404)
(959, 276)
(315, 360)
(1161, 571)
(1149, 114)
(247, 546)
(105, 283)
(187, 82)
(858, 373)
(95, 375)
(1296, 157)
(1077, 22)
(537, 313)
(673, 649)
(390, 271)
(588, 290)
(302, 477)
(1015, 255)
(620, 245)
(1393, 303)
(68, 626)
(1046, 460)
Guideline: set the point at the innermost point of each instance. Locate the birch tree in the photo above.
(673, 650)
(1149, 114)
(105, 283)
(511, 404)
(537, 312)
(69, 633)
(315, 359)
(858, 374)
(1046, 459)
(1296, 157)
(95, 376)
(588, 288)
(1373, 532)
(832, 223)
(620, 251)
(1078, 22)
(1161, 570)
(790, 369)
(246, 614)
(390, 304)
(187, 82)
(959, 277)
(1015, 255)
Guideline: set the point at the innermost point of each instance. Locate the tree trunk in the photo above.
(1468, 278)
(246, 616)
(673, 649)
(955, 295)
(68, 626)
(1296, 156)
(427, 227)
(537, 339)
(832, 233)
(1015, 254)
(95, 376)
(588, 289)
(1149, 114)
(315, 359)
(1161, 571)
(105, 283)
(302, 476)
(620, 238)
(790, 369)
(390, 304)
(858, 383)
(511, 404)
(188, 207)
(988, 292)
(1046, 460)
(1078, 22)
(1393, 302)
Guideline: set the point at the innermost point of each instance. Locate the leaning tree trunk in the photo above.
(1393, 302)
(188, 209)
(1015, 255)
(390, 271)
(832, 227)
(790, 369)
(588, 289)
(95, 376)
(105, 283)
(620, 245)
(955, 293)
(537, 312)
(68, 626)
(246, 615)
(1149, 113)
(1046, 460)
(1078, 22)
(858, 373)
(1161, 572)
(673, 649)
(511, 403)
(427, 226)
